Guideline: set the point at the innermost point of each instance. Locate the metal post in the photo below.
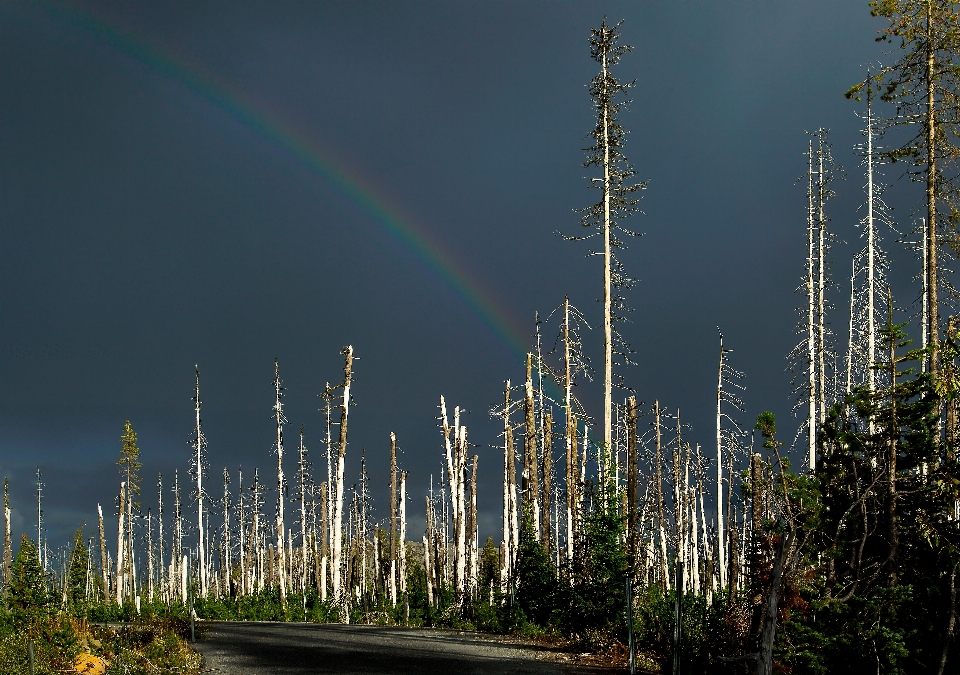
(30, 652)
(633, 664)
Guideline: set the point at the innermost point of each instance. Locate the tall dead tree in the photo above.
(728, 381)
(402, 553)
(810, 359)
(281, 481)
(337, 515)
(546, 469)
(618, 200)
(226, 558)
(575, 363)
(530, 486)
(511, 530)
(198, 468)
(7, 543)
(633, 471)
(393, 519)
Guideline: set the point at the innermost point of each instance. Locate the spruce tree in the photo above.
(27, 592)
(77, 572)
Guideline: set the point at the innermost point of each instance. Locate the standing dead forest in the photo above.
(621, 531)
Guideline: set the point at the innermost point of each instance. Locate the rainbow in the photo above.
(298, 146)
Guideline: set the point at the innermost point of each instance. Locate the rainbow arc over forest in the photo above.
(299, 147)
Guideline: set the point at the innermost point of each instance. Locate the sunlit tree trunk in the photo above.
(338, 590)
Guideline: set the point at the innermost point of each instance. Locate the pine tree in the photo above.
(27, 592)
(77, 572)
(129, 461)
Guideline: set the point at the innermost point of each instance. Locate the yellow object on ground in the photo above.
(88, 664)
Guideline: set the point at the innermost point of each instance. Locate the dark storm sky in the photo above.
(149, 222)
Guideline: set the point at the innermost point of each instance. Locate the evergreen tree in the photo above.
(77, 572)
(536, 577)
(888, 541)
(27, 591)
(599, 601)
(129, 461)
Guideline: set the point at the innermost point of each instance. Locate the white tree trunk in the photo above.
(281, 550)
(336, 572)
(402, 567)
(811, 326)
(120, 541)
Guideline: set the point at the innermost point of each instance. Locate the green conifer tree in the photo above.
(77, 572)
(28, 595)
(129, 461)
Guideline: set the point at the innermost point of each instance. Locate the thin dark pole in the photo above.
(677, 629)
(633, 664)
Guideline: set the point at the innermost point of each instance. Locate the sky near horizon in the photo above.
(224, 184)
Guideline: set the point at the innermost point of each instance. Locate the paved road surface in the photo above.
(251, 648)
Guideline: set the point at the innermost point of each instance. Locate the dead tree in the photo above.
(281, 481)
(393, 519)
(303, 480)
(198, 467)
(337, 515)
(809, 359)
(7, 543)
(633, 471)
(728, 384)
(618, 200)
(530, 486)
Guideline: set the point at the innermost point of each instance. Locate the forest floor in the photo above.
(265, 648)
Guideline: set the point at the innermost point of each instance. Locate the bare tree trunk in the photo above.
(7, 543)
(393, 519)
(546, 462)
(341, 458)
(227, 562)
(821, 289)
(459, 495)
(279, 526)
(428, 568)
(199, 459)
(402, 553)
(160, 564)
(530, 486)
(149, 557)
(302, 479)
(607, 266)
(103, 551)
(571, 431)
(510, 532)
(811, 325)
(892, 450)
(472, 529)
(429, 560)
(121, 514)
(658, 461)
(324, 542)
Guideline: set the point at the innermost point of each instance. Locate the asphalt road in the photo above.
(253, 648)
